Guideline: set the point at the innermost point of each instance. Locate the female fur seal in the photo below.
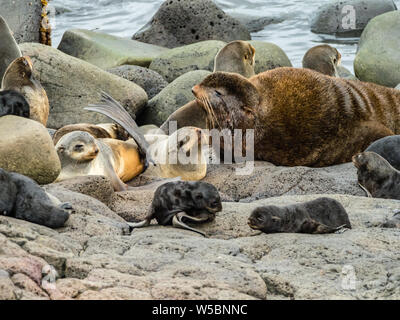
(300, 117)
(389, 149)
(13, 103)
(323, 215)
(81, 154)
(174, 201)
(23, 198)
(19, 77)
(324, 59)
(376, 176)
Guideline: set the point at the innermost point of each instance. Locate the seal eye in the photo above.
(78, 147)
(199, 196)
(219, 94)
(246, 57)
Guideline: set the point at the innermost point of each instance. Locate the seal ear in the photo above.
(61, 149)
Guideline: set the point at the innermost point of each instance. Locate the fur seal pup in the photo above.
(19, 77)
(13, 103)
(323, 215)
(174, 202)
(81, 154)
(238, 57)
(300, 117)
(376, 176)
(388, 148)
(324, 59)
(9, 49)
(23, 198)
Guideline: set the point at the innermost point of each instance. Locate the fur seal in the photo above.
(376, 176)
(81, 154)
(388, 148)
(238, 57)
(393, 222)
(19, 77)
(9, 50)
(300, 117)
(324, 59)
(175, 201)
(323, 215)
(13, 103)
(23, 198)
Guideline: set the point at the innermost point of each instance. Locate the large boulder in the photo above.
(178, 61)
(71, 84)
(269, 56)
(174, 96)
(181, 22)
(151, 81)
(378, 56)
(348, 16)
(27, 148)
(107, 51)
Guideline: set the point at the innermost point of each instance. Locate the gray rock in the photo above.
(107, 51)
(269, 56)
(178, 61)
(256, 24)
(62, 77)
(27, 148)
(378, 56)
(398, 87)
(349, 16)
(345, 73)
(182, 22)
(149, 80)
(171, 98)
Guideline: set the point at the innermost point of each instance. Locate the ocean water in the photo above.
(125, 17)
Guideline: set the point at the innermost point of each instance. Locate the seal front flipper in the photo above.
(112, 109)
(178, 223)
(142, 224)
(369, 195)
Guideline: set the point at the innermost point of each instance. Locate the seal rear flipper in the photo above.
(142, 224)
(112, 109)
(178, 223)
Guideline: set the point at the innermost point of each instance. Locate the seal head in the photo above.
(324, 59)
(77, 146)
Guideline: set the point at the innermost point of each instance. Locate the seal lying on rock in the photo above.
(13, 103)
(394, 222)
(324, 59)
(376, 176)
(323, 215)
(23, 198)
(174, 202)
(388, 148)
(19, 77)
(300, 117)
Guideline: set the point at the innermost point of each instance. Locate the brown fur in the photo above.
(322, 58)
(300, 116)
(19, 77)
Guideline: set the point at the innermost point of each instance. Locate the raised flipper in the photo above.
(144, 223)
(112, 109)
(178, 223)
(369, 195)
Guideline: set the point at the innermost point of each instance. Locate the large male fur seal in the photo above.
(301, 117)
(389, 149)
(9, 50)
(23, 198)
(175, 201)
(323, 215)
(376, 176)
(13, 103)
(324, 59)
(19, 77)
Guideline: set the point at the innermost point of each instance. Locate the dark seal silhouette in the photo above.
(23, 198)
(177, 201)
(13, 103)
(323, 215)
(388, 148)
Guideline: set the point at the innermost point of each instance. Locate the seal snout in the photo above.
(195, 90)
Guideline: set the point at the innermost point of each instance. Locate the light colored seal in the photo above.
(19, 77)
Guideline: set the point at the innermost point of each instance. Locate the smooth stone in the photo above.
(171, 98)
(107, 51)
(182, 22)
(378, 56)
(63, 77)
(269, 56)
(345, 73)
(255, 23)
(27, 148)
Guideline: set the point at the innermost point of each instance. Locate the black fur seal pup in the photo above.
(376, 176)
(388, 148)
(174, 202)
(13, 103)
(23, 198)
(323, 215)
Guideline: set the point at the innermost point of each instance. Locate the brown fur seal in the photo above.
(238, 57)
(175, 201)
(389, 149)
(324, 59)
(301, 117)
(19, 77)
(376, 176)
(81, 154)
(323, 215)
